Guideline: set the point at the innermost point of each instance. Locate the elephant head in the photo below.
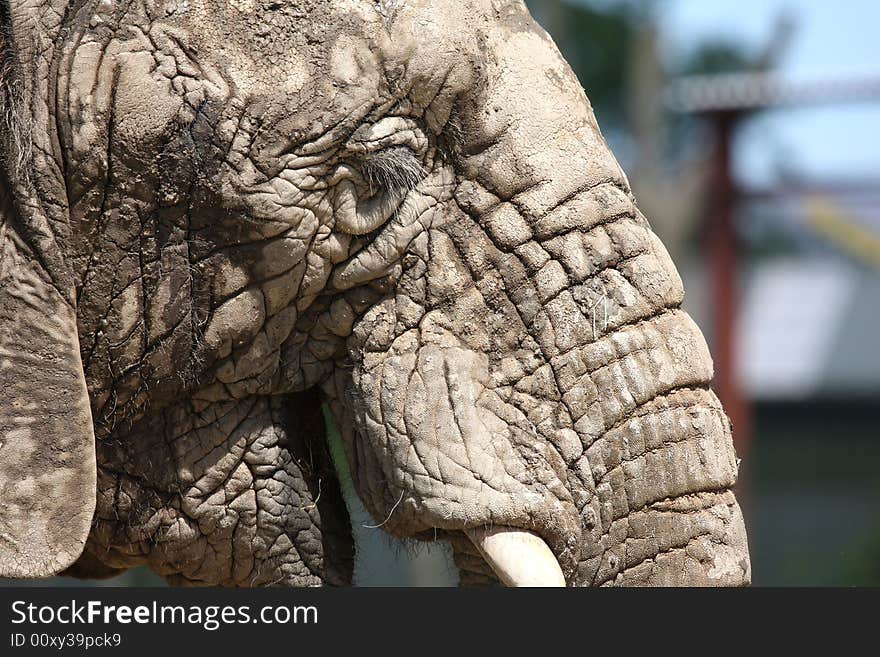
(218, 216)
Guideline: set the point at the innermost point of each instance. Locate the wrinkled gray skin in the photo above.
(217, 216)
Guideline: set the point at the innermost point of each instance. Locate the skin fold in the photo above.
(217, 216)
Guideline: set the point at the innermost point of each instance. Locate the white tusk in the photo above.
(518, 557)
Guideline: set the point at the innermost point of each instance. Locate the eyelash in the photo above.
(396, 168)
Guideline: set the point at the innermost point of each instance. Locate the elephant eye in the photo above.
(390, 154)
(372, 183)
(396, 169)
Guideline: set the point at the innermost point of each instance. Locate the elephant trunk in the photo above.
(533, 374)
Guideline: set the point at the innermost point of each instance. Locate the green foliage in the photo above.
(861, 564)
(717, 57)
(597, 41)
(337, 452)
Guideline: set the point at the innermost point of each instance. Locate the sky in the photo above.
(832, 38)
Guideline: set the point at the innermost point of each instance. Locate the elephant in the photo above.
(220, 221)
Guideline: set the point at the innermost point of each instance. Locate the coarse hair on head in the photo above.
(15, 137)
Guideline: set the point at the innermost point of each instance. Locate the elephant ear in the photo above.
(47, 444)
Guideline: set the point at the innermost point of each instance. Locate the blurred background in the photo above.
(750, 132)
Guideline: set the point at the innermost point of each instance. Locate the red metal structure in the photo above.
(725, 101)
(722, 252)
